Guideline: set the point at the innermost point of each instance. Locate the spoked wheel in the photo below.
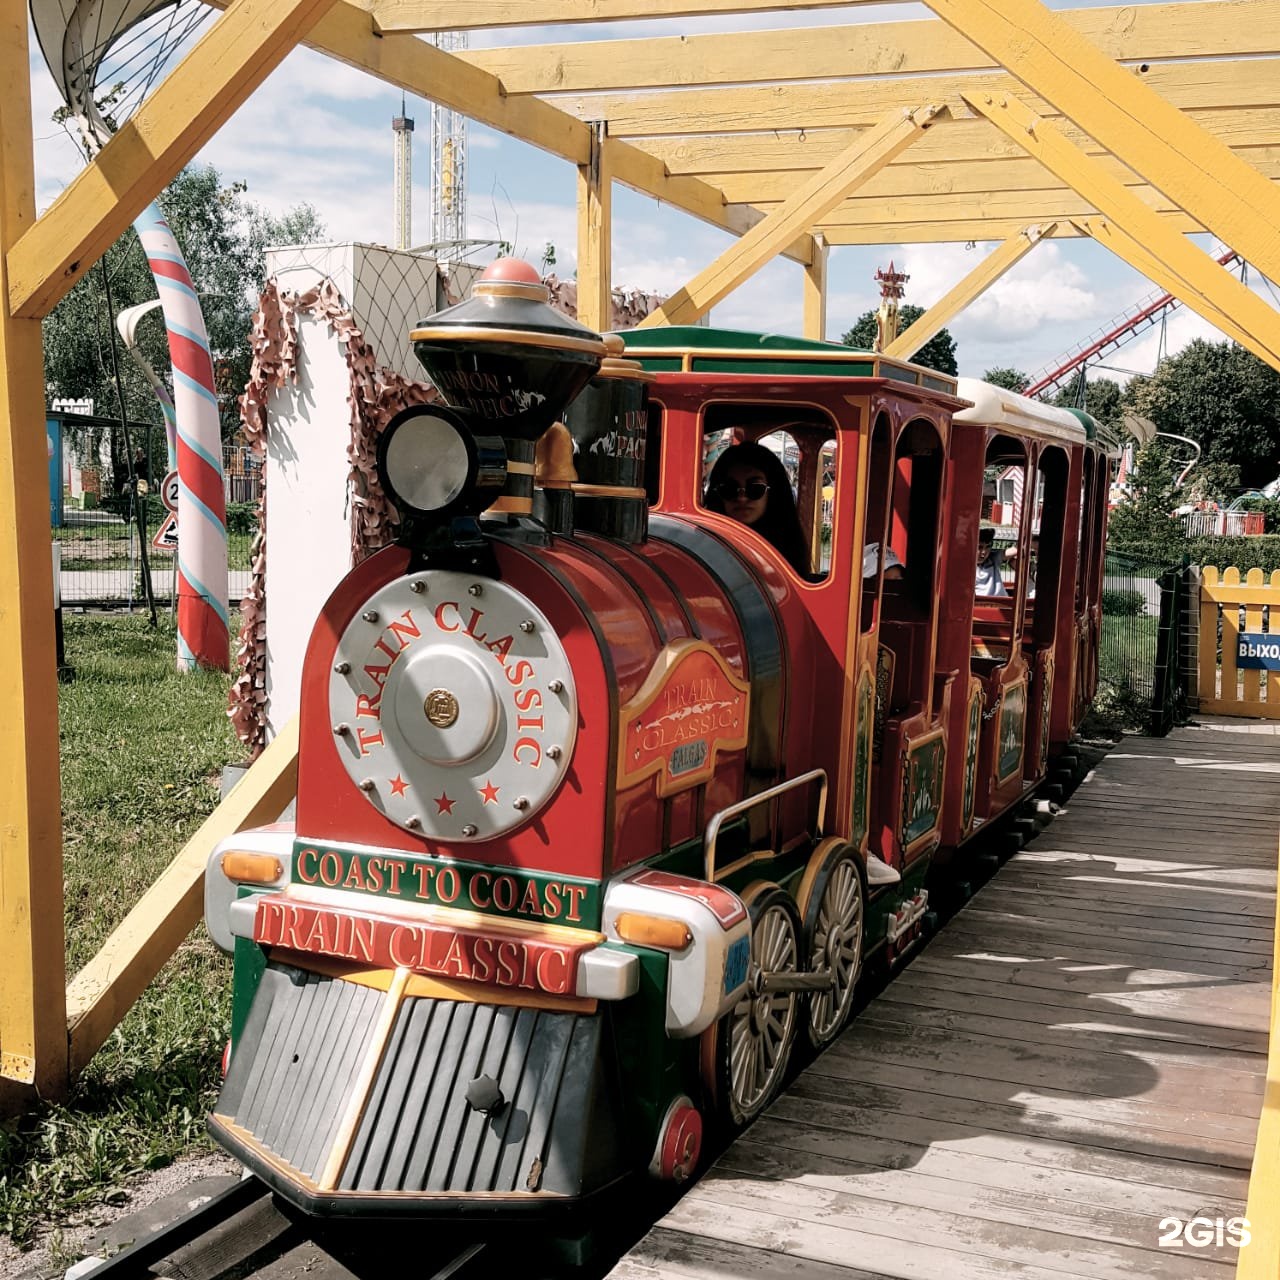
(756, 1036)
(835, 917)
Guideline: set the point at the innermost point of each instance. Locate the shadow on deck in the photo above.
(1076, 1058)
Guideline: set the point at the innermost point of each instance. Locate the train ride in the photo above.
(604, 802)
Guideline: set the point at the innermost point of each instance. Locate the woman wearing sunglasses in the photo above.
(749, 484)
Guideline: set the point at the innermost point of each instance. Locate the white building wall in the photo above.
(308, 431)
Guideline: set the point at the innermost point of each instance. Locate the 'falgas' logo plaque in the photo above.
(691, 707)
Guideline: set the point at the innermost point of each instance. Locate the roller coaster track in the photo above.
(1148, 312)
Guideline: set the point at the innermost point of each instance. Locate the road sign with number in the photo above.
(165, 537)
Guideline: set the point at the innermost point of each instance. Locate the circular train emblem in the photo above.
(441, 708)
(453, 707)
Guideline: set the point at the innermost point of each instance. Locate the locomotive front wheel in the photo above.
(834, 922)
(756, 1036)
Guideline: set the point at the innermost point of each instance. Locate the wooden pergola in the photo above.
(996, 120)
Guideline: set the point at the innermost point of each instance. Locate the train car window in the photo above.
(824, 526)
(908, 602)
(878, 486)
(1084, 538)
(1044, 562)
(996, 571)
(653, 454)
(772, 469)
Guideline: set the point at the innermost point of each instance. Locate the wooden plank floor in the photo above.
(1077, 1055)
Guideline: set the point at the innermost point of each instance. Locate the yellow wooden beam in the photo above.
(642, 172)
(1136, 119)
(810, 203)
(33, 1036)
(1125, 247)
(952, 143)
(1200, 278)
(976, 283)
(595, 229)
(1030, 206)
(1247, 82)
(103, 991)
(992, 230)
(230, 60)
(448, 15)
(1147, 33)
(815, 294)
(347, 33)
(980, 177)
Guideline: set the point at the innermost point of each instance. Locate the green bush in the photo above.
(1261, 552)
(1123, 604)
(242, 517)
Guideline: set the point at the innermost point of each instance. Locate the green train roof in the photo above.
(1090, 424)
(695, 349)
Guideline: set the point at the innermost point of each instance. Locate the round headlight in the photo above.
(431, 464)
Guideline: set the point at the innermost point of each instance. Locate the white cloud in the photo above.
(1044, 287)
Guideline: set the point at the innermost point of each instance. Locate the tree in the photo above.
(938, 353)
(1012, 379)
(1225, 399)
(224, 237)
(1147, 521)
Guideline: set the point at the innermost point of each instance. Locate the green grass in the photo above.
(142, 747)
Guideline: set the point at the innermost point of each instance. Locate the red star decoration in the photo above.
(398, 786)
(444, 804)
(490, 793)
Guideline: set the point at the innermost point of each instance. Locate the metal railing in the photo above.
(95, 517)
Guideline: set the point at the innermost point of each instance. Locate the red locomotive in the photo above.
(603, 800)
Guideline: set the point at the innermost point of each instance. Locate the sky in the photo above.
(320, 132)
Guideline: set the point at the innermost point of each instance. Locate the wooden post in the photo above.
(595, 228)
(33, 1025)
(815, 293)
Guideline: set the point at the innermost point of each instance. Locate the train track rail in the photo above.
(247, 1233)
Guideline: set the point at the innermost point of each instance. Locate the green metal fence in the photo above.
(1148, 629)
(95, 519)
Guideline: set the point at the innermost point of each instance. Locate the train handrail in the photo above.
(761, 797)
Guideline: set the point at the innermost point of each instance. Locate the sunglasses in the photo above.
(753, 490)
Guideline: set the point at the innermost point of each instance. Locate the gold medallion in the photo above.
(441, 708)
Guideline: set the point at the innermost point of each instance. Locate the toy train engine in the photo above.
(603, 799)
(481, 968)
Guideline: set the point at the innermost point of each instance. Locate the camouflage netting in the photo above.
(376, 395)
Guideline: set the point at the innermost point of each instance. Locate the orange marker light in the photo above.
(653, 931)
(251, 868)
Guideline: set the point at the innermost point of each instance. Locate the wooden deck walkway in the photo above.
(1078, 1055)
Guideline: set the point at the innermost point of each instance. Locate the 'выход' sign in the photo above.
(1257, 651)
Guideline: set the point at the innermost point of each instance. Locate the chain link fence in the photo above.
(106, 507)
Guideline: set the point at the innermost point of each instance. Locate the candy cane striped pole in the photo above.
(202, 512)
(127, 326)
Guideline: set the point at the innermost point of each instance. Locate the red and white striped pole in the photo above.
(203, 631)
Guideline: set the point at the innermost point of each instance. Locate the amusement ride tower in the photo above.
(402, 127)
(448, 166)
